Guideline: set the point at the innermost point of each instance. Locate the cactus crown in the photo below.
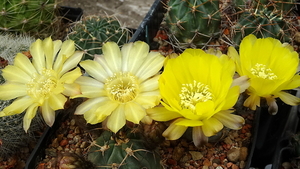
(122, 150)
(192, 23)
(90, 34)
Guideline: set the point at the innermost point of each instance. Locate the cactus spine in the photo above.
(90, 33)
(123, 150)
(192, 23)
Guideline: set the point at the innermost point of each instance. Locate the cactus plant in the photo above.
(264, 18)
(263, 24)
(11, 44)
(125, 150)
(92, 31)
(192, 23)
(34, 17)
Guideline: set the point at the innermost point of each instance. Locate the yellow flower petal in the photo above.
(71, 76)
(148, 99)
(71, 62)
(232, 97)
(99, 112)
(17, 106)
(242, 82)
(29, 115)
(100, 59)
(162, 114)
(67, 48)
(48, 114)
(288, 98)
(71, 90)
(138, 52)
(112, 55)
(48, 49)
(57, 101)
(134, 112)
(15, 74)
(24, 63)
(117, 119)
(88, 104)
(10, 91)
(233, 54)
(211, 126)
(95, 70)
(189, 123)
(90, 87)
(150, 84)
(150, 66)
(205, 110)
(38, 55)
(229, 120)
(252, 101)
(174, 132)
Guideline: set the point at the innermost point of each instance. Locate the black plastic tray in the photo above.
(274, 133)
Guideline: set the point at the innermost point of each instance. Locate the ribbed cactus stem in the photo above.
(92, 32)
(192, 23)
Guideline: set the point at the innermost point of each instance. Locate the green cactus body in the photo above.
(282, 6)
(263, 24)
(124, 151)
(90, 34)
(192, 23)
(27, 16)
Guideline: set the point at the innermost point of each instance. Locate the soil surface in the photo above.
(129, 12)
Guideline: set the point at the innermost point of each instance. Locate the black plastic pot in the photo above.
(274, 134)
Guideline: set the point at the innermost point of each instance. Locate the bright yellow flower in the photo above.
(123, 84)
(43, 82)
(271, 67)
(197, 92)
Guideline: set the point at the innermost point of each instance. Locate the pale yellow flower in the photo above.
(271, 67)
(43, 82)
(122, 84)
(197, 91)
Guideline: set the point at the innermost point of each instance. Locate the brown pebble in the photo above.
(63, 142)
(234, 166)
(171, 162)
(206, 162)
(178, 153)
(233, 154)
(229, 164)
(55, 143)
(243, 153)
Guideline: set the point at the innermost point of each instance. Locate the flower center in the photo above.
(191, 94)
(122, 87)
(42, 85)
(261, 71)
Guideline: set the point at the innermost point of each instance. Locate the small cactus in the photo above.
(34, 17)
(192, 23)
(262, 24)
(92, 32)
(264, 18)
(12, 44)
(69, 160)
(123, 150)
